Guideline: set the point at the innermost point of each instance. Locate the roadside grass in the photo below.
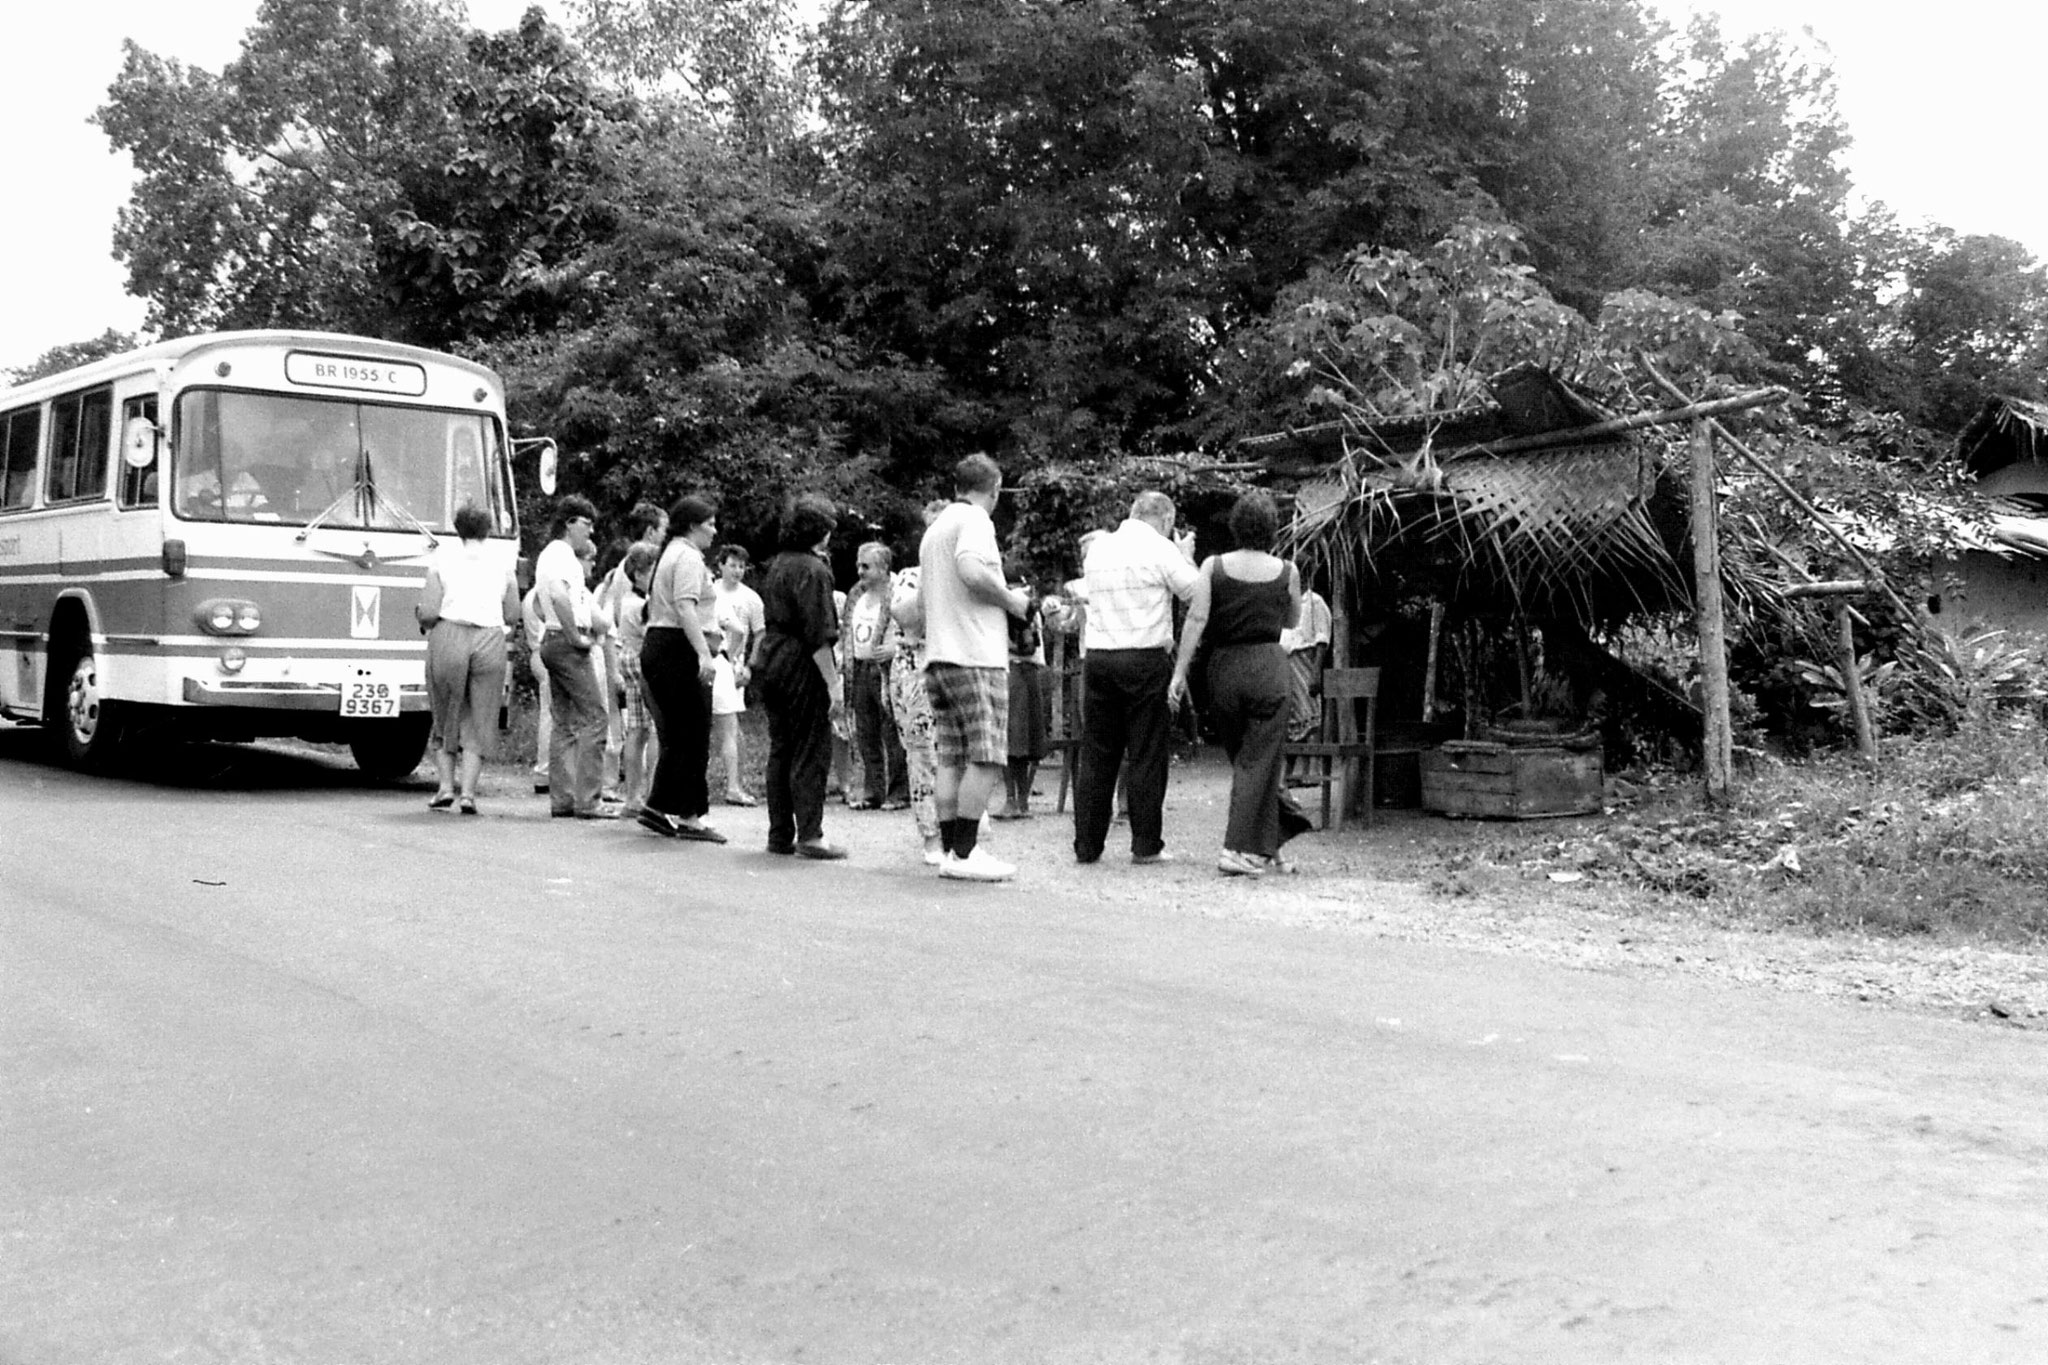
(1941, 837)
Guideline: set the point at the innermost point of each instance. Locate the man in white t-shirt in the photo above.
(568, 634)
(965, 602)
(1132, 577)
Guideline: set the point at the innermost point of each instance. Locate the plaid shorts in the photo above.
(633, 691)
(970, 713)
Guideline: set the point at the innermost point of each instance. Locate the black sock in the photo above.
(966, 833)
(946, 835)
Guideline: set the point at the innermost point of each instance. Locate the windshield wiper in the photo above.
(368, 498)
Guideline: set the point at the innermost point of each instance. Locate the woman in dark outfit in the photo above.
(1243, 600)
(798, 680)
(676, 670)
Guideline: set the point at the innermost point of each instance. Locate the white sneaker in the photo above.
(978, 866)
(1235, 864)
(933, 857)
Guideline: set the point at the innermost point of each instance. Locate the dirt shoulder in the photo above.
(1407, 878)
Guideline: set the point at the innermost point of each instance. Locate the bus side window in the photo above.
(81, 444)
(138, 486)
(18, 432)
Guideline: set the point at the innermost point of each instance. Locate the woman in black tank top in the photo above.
(1242, 602)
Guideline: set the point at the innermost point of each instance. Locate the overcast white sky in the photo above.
(1939, 99)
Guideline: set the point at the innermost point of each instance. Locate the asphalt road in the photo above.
(295, 1071)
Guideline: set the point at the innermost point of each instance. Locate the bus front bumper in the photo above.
(272, 695)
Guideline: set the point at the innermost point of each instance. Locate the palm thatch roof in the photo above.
(2004, 431)
(1571, 526)
(2005, 447)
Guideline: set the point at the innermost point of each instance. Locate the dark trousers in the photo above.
(799, 742)
(883, 767)
(1124, 717)
(681, 706)
(576, 744)
(1250, 703)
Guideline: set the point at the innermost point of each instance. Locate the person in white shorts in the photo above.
(738, 616)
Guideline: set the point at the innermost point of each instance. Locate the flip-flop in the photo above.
(660, 822)
(703, 834)
(740, 799)
(467, 805)
(441, 803)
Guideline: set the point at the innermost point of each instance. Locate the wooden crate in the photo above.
(1495, 781)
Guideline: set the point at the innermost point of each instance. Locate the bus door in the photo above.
(23, 602)
(131, 595)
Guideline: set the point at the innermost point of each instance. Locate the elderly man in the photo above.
(965, 600)
(1132, 576)
(868, 649)
(571, 627)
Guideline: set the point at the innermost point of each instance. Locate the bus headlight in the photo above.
(228, 616)
(232, 659)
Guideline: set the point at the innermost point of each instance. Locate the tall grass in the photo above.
(1942, 835)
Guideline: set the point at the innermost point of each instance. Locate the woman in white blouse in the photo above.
(469, 599)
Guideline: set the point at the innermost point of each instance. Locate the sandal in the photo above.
(740, 799)
(441, 803)
(467, 805)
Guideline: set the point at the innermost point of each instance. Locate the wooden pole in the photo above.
(1833, 587)
(1340, 657)
(1717, 747)
(1852, 685)
(1762, 466)
(1436, 635)
(1691, 412)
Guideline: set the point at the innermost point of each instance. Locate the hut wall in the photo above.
(2006, 591)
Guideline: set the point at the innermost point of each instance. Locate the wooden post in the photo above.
(1717, 748)
(1852, 685)
(1340, 657)
(1436, 635)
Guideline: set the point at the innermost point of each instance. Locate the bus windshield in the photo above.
(280, 458)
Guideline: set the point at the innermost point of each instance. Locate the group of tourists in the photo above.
(933, 672)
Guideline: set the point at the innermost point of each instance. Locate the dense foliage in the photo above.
(714, 249)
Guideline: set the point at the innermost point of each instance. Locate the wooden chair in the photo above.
(1342, 750)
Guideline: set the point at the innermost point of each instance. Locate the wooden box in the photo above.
(1496, 781)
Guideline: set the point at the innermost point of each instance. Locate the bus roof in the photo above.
(185, 348)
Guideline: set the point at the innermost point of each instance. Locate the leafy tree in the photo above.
(1973, 321)
(685, 358)
(1006, 211)
(72, 354)
(1743, 193)
(476, 241)
(261, 191)
(736, 64)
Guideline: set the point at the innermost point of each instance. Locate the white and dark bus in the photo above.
(225, 535)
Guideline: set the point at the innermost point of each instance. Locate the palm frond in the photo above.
(1547, 526)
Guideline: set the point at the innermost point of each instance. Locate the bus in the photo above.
(224, 536)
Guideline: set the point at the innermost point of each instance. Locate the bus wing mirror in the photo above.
(138, 442)
(550, 467)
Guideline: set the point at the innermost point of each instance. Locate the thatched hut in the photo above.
(2005, 450)
(1478, 555)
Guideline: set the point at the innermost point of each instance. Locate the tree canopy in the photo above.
(712, 248)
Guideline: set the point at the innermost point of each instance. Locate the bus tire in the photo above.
(87, 726)
(388, 750)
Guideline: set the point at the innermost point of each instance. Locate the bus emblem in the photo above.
(364, 613)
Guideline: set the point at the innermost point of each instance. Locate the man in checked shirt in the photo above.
(1132, 576)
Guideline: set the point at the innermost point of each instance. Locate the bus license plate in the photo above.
(368, 698)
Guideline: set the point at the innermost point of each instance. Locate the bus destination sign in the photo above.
(355, 372)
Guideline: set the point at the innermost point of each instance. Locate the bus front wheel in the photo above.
(387, 750)
(87, 724)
